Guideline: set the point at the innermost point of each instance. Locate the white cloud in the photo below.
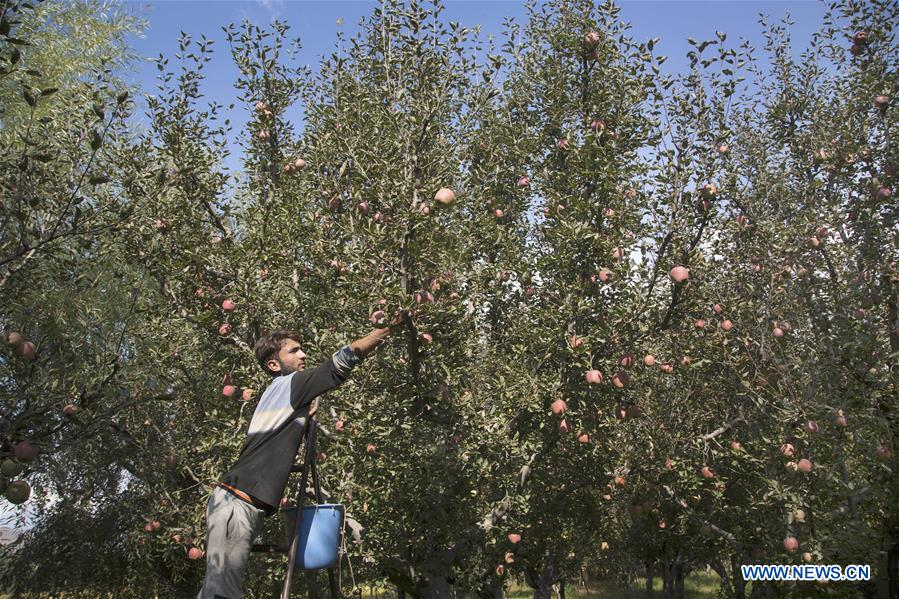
(272, 6)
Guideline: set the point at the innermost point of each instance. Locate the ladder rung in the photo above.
(262, 548)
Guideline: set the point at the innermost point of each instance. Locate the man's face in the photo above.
(290, 358)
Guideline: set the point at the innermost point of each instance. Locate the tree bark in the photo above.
(648, 579)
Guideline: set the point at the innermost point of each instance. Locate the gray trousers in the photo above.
(231, 526)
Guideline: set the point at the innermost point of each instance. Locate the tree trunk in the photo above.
(542, 583)
(490, 590)
(648, 566)
(438, 588)
(673, 586)
(400, 593)
(737, 576)
(719, 569)
(561, 588)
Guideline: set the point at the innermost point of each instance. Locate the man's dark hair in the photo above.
(269, 345)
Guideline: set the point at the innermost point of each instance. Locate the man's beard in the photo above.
(287, 369)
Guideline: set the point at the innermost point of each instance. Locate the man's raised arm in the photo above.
(364, 345)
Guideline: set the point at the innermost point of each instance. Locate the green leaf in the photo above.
(96, 140)
(49, 91)
(29, 97)
(98, 179)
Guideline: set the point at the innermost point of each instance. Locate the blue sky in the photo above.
(315, 22)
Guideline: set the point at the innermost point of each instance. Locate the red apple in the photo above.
(778, 332)
(514, 538)
(787, 449)
(194, 553)
(649, 360)
(709, 190)
(840, 420)
(70, 409)
(804, 465)
(685, 360)
(669, 464)
(591, 39)
(27, 349)
(25, 451)
(247, 395)
(263, 134)
(821, 232)
(299, 163)
(620, 379)
(626, 361)
(860, 37)
(564, 427)
(620, 481)
(229, 390)
(813, 242)
(620, 412)
(727, 325)
(679, 274)
(559, 406)
(424, 209)
(617, 253)
(810, 427)
(717, 308)
(583, 438)
(575, 341)
(228, 305)
(605, 275)
(707, 472)
(445, 196)
(807, 557)
(791, 544)
(667, 367)
(700, 324)
(225, 330)
(594, 377)
(338, 426)
(498, 213)
(597, 125)
(426, 337)
(735, 445)
(722, 148)
(261, 106)
(377, 316)
(881, 101)
(14, 338)
(856, 49)
(523, 181)
(370, 448)
(562, 144)
(362, 207)
(884, 192)
(883, 453)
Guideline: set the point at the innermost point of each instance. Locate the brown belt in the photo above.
(241, 495)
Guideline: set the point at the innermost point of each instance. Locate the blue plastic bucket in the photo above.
(319, 535)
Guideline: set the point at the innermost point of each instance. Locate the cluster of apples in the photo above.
(23, 347)
(444, 196)
(230, 390)
(18, 491)
(294, 166)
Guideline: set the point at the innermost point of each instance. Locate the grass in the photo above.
(698, 585)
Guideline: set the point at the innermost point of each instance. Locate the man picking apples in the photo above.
(253, 488)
